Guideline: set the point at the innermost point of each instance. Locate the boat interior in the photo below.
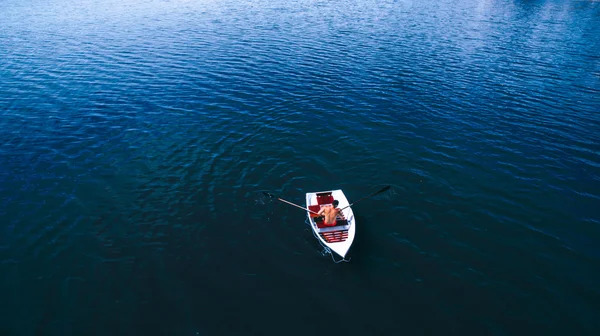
(324, 199)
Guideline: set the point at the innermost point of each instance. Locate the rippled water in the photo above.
(136, 137)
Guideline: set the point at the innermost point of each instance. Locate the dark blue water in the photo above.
(136, 138)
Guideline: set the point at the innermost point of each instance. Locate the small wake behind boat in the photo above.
(337, 238)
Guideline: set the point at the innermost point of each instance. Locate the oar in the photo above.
(384, 189)
(290, 203)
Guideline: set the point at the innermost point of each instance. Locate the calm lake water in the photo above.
(136, 138)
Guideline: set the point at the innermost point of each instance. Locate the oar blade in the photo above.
(384, 189)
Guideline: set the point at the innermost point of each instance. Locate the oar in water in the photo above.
(290, 203)
(384, 189)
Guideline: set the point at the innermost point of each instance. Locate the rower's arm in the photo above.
(321, 211)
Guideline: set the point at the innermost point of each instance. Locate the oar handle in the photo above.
(349, 205)
(297, 206)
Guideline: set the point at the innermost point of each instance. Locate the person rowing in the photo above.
(330, 213)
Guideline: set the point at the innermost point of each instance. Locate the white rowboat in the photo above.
(337, 238)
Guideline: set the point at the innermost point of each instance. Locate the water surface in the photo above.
(136, 138)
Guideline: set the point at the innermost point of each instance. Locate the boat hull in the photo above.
(338, 238)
